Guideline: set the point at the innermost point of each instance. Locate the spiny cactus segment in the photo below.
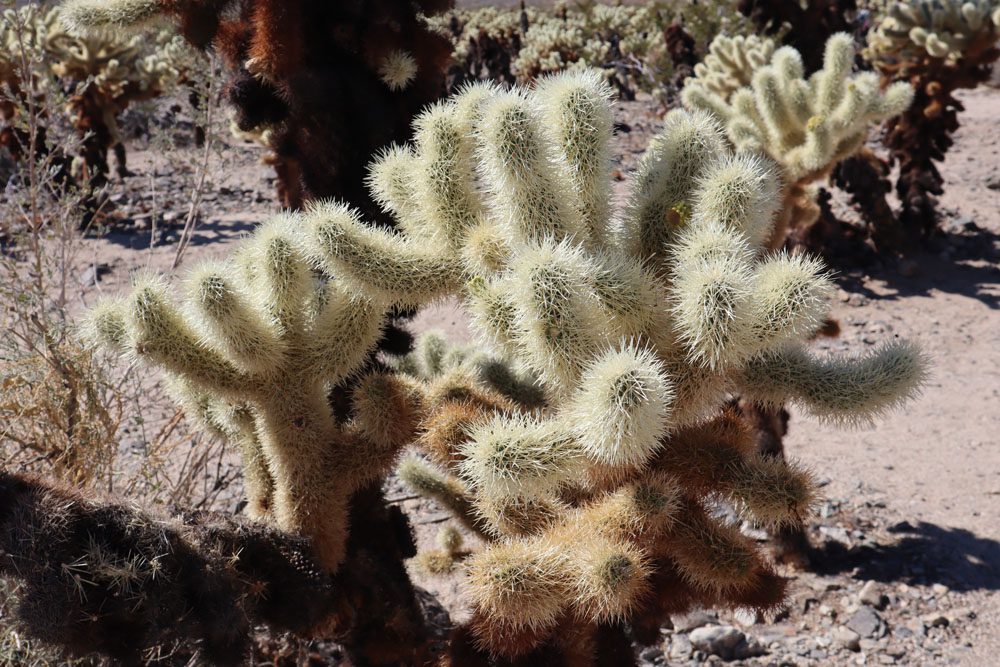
(252, 348)
(731, 63)
(944, 29)
(805, 125)
(103, 577)
(636, 333)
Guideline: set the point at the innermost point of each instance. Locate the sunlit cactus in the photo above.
(940, 48)
(254, 344)
(806, 125)
(731, 63)
(101, 73)
(636, 334)
(942, 29)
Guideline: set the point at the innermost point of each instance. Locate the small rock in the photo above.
(940, 589)
(857, 300)
(93, 274)
(960, 614)
(935, 620)
(836, 533)
(724, 641)
(651, 653)
(872, 596)
(917, 627)
(680, 648)
(171, 216)
(866, 622)
(695, 619)
(746, 617)
(847, 638)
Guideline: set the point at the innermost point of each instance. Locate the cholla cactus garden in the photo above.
(590, 448)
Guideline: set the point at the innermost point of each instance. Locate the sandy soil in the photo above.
(912, 504)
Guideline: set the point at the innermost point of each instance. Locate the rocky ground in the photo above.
(906, 563)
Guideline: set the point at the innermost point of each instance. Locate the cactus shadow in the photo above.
(206, 232)
(964, 262)
(924, 554)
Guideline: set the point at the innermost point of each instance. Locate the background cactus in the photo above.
(806, 125)
(99, 75)
(298, 71)
(649, 48)
(636, 333)
(731, 63)
(939, 48)
(803, 26)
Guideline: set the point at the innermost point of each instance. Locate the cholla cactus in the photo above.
(805, 125)
(280, 361)
(252, 349)
(939, 47)
(805, 26)
(626, 42)
(103, 577)
(731, 63)
(327, 84)
(596, 501)
(101, 74)
(946, 29)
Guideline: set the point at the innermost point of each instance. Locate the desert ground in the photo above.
(906, 561)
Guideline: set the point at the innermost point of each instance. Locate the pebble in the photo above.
(680, 648)
(935, 620)
(651, 653)
(836, 533)
(695, 619)
(872, 596)
(724, 641)
(847, 638)
(93, 274)
(866, 622)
